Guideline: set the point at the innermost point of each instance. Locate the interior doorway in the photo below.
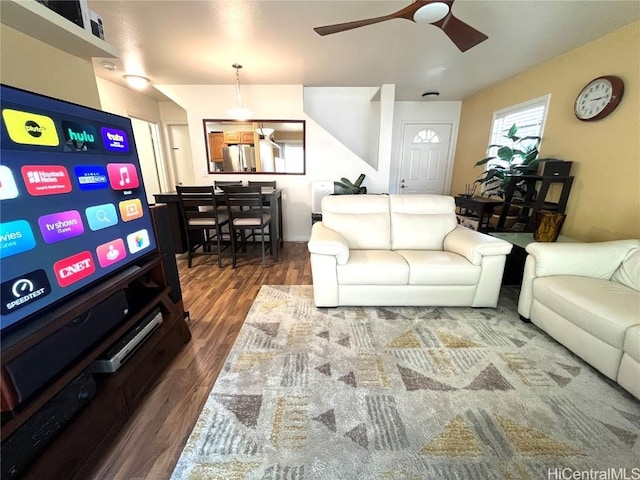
(425, 162)
(180, 153)
(154, 175)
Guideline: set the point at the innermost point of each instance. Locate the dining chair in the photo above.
(245, 212)
(267, 184)
(224, 183)
(270, 184)
(201, 213)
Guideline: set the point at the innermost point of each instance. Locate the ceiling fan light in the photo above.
(431, 12)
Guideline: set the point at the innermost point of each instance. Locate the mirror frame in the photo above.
(226, 121)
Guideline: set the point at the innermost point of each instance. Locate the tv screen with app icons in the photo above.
(73, 208)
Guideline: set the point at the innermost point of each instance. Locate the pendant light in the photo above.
(239, 113)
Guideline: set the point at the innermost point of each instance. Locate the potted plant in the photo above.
(519, 157)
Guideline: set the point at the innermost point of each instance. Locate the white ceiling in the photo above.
(197, 41)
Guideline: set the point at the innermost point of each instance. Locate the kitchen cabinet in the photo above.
(238, 137)
(216, 144)
(246, 137)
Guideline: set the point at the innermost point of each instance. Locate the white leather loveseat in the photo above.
(402, 250)
(587, 297)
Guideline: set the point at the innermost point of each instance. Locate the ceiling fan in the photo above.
(434, 12)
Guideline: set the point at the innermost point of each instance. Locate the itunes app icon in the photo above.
(122, 176)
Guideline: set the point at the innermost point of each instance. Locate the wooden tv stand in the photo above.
(77, 448)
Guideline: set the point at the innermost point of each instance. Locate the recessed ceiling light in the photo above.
(109, 65)
(137, 81)
(431, 93)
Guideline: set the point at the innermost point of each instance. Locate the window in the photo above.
(426, 136)
(529, 117)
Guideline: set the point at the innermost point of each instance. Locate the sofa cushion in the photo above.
(628, 273)
(420, 222)
(363, 220)
(604, 309)
(374, 267)
(429, 267)
(632, 342)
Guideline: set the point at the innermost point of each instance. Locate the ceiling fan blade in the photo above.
(406, 12)
(464, 36)
(341, 27)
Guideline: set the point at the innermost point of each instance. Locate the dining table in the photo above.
(272, 199)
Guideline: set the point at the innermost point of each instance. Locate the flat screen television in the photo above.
(73, 207)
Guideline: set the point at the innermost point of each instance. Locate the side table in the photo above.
(514, 266)
(481, 207)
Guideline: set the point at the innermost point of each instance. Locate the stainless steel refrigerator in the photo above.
(238, 158)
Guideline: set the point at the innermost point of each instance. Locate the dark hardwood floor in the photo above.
(218, 301)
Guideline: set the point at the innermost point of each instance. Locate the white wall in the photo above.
(350, 114)
(326, 157)
(426, 112)
(127, 103)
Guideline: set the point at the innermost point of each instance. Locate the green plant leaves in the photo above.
(520, 158)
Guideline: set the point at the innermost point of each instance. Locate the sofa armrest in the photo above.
(474, 245)
(325, 241)
(595, 260)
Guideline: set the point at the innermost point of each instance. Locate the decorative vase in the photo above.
(548, 225)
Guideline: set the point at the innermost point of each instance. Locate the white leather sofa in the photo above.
(587, 297)
(402, 250)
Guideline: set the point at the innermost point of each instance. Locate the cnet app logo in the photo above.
(74, 268)
(46, 179)
(30, 128)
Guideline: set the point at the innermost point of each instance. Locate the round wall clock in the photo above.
(599, 98)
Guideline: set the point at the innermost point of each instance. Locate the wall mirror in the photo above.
(255, 146)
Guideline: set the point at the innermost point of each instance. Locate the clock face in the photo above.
(593, 99)
(598, 98)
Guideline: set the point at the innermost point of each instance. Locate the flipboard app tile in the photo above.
(46, 179)
(74, 268)
(111, 252)
(122, 176)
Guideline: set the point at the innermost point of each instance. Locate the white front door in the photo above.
(425, 158)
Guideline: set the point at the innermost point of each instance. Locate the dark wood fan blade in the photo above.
(406, 13)
(464, 36)
(341, 27)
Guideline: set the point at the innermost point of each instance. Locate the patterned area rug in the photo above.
(406, 393)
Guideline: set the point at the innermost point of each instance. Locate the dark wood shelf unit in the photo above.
(537, 188)
(477, 208)
(78, 446)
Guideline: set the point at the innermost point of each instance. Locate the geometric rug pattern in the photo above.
(406, 393)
